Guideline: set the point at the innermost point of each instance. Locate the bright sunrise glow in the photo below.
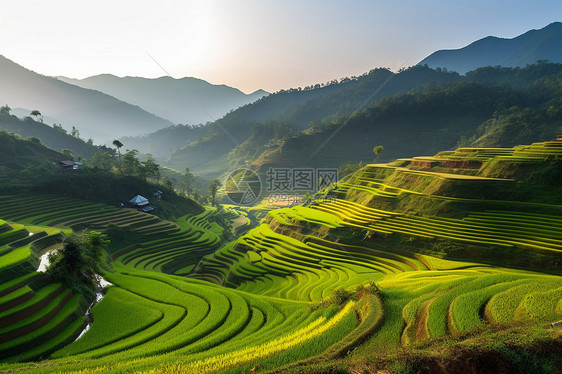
(250, 44)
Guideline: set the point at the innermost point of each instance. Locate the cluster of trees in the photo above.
(537, 116)
(128, 165)
(39, 118)
(36, 165)
(189, 186)
(79, 262)
(335, 82)
(522, 106)
(75, 133)
(147, 169)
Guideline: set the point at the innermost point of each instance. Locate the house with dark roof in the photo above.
(69, 164)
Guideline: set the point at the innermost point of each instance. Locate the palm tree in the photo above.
(118, 145)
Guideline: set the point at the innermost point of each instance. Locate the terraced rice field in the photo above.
(184, 300)
(36, 315)
(147, 313)
(195, 323)
(430, 297)
(178, 245)
(534, 232)
(178, 251)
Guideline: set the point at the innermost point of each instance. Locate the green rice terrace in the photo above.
(449, 264)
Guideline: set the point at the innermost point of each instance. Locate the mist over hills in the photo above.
(463, 113)
(528, 48)
(55, 138)
(186, 100)
(298, 109)
(95, 114)
(489, 107)
(266, 126)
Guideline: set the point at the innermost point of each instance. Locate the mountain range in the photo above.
(234, 142)
(186, 100)
(98, 114)
(528, 48)
(488, 107)
(375, 106)
(95, 114)
(296, 110)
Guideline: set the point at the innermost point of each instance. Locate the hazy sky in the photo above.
(251, 44)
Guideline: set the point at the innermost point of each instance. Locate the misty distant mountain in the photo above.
(186, 100)
(528, 48)
(488, 107)
(297, 109)
(95, 114)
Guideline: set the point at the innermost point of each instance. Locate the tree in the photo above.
(37, 114)
(59, 128)
(213, 188)
(75, 132)
(103, 161)
(149, 169)
(118, 145)
(187, 182)
(131, 165)
(77, 264)
(5, 109)
(95, 244)
(378, 150)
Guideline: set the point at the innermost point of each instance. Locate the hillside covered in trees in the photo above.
(55, 136)
(435, 110)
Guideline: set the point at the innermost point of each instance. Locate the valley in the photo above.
(364, 272)
(404, 220)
